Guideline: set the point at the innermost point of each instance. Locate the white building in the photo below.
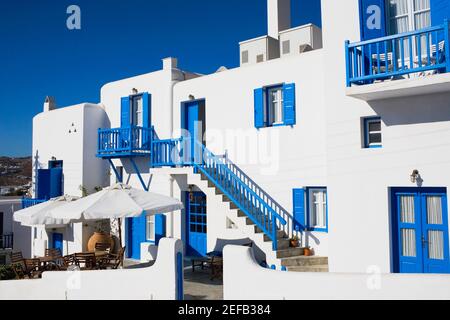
(341, 142)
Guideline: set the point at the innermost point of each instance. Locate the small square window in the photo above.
(260, 58)
(372, 134)
(244, 56)
(286, 47)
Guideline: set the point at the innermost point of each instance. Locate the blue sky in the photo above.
(39, 56)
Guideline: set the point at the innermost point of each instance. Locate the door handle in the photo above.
(424, 241)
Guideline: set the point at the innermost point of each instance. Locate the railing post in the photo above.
(447, 45)
(274, 233)
(347, 63)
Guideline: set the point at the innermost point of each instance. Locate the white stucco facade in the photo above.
(324, 148)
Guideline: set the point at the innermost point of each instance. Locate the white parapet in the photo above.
(158, 282)
(244, 279)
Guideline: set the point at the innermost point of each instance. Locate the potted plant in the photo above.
(294, 242)
(307, 251)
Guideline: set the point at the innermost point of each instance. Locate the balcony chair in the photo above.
(85, 261)
(112, 261)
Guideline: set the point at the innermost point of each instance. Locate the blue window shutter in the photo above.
(56, 182)
(125, 112)
(372, 19)
(440, 10)
(289, 104)
(160, 227)
(43, 184)
(147, 109)
(259, 108)
(299, 209)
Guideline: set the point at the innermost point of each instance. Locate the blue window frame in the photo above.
(317, 209)
(372, 133)
(275, 106)
(310, 209)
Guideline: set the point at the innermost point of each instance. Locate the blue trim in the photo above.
(180, 288)
(136, 169)
(118, 176)
(308, 210)
(366, 121)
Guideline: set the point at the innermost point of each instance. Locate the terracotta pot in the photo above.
(307, 252)
(293, 243)
(99, 237)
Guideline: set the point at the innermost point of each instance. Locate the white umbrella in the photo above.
(37, 215)
(119, 201)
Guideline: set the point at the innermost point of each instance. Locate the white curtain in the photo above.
(434, 210)
(399, 16)
(407, 211)
(436, 244)
(409, 243)
(422, 14)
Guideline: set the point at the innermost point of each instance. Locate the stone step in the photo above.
(304, 261)
(288, 253)
(280, 235)
(318, 268)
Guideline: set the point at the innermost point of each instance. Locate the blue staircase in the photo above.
(268, 215)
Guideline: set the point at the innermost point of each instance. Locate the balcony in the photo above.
(124, 142)
(406, 64)
(27, 202)
(6, 241)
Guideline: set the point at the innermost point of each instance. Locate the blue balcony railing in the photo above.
(123, 142)
(27, 202)
(390, 57)
(168, 152)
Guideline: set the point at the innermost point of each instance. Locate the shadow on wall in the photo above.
(413, 110)
(310, 238)
(221, 243)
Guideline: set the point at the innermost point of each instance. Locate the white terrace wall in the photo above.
(244, 279)
(278, 158)
(416, 135)
(158, 282)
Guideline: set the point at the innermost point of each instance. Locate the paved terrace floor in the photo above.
(197, 285)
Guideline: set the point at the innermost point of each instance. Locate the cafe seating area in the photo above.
(100, 259)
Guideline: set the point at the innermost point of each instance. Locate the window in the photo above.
(150, 228)
(275, 105)
(372, 132)
(260, 58)
(317, 209)
(245, 56)
(137, 116)
(286, 47)
(408, 15)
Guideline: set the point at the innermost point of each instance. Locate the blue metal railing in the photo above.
(27, 202)
(251, 199)
(7, 241)
(244, 197)
(407, 53)
(127, 141)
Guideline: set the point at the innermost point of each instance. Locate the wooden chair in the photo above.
(85, 261)
(103, 247)
(53, 253)
(16, 257)
(112, 261)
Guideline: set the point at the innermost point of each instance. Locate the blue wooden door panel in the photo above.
(196, 224)
(57, 241)
(435, 233)
(135, 236)
(421, 230)
(43, 184)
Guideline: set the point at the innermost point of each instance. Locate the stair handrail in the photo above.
(271, 214)
(289, 227)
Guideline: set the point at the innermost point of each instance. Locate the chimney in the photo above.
(170, 63)
(49, 104)
(278, 16)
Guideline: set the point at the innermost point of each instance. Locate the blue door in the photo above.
(135, 228)
(196, 224)
(57, 241)
(420, 221)
(193, 122)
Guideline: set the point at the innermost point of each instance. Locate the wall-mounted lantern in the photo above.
(415, 175)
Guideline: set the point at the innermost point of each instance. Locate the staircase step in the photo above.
(218, 191)
(304, 261)
(318, 268)
(288, 253)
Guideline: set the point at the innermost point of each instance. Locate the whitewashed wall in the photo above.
(416, 135)
(279, 158)
(244, 279)
(158, 282)
(22, 235)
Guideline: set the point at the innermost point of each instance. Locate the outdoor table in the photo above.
(45, 261)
